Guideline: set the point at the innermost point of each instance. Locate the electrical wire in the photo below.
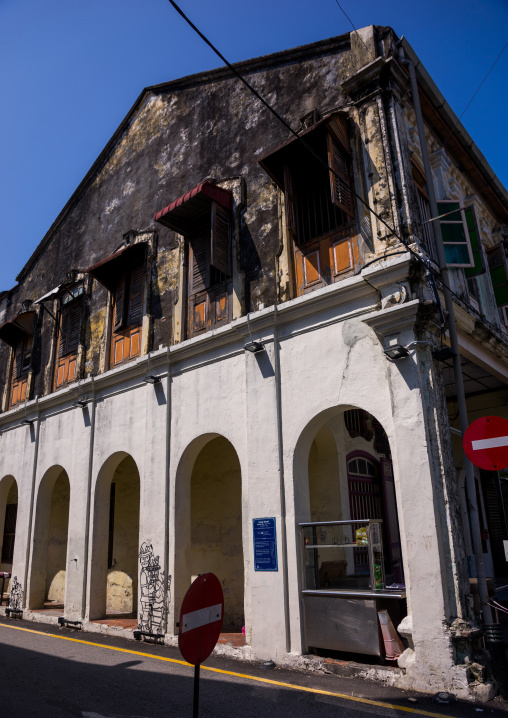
(354, 28)
(476, 92)
(274, 112)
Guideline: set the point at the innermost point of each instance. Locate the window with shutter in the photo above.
(319, 203)
(21, 359)
(498, 268)
(203, 217)
(209, 284)
(71, 314)
(459, 234)
(128, 315)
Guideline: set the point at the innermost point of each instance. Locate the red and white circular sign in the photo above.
(486, 443)
(201, 618)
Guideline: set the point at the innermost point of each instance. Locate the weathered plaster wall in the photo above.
(216, 524)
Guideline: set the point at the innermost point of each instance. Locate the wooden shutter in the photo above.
(289, 200)
(220, 249)
(499, 274)
(18, 360)
(340, 182)
(74, 326)
(199, 264)
(64, 331)
(137, 279)
(119, 304)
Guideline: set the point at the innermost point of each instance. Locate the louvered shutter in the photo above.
(74, 326)
(220, 239)
(136, 295)
(200, 263)
(289, 200)
(499, 274)
(119, 304)
(340, 182)
(64, 332)
(18, 360)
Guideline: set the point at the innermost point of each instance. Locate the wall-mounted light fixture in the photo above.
(396, 351)
(254, 347)
(151, 379)
(82, 402)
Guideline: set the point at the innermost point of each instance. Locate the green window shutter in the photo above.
(455, 232)
(476, 247)
(499, 274)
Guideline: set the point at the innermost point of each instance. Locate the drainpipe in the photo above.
(30, 539)
(282, 485)
(459, 383)
(88, 504)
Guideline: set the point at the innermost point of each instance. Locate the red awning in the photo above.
(181, 214)
(109, 270)
(13, 331)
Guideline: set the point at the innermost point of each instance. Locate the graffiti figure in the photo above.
(16, 597)
(152, 591)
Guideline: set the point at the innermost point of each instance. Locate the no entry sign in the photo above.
(486, 443)
(201, 618)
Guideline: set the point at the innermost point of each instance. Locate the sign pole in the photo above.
(195, 709)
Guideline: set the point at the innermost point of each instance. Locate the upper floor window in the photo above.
(319, 203)
(69, 334)
(18, 333)
(426, 230)
(498, 267)
(123, 273)
(203, 217)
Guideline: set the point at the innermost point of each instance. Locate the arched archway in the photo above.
(113, 588)
(49, 555)
(343, 472)
(8, 516)
(208, 519)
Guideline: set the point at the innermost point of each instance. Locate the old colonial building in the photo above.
(198, 359)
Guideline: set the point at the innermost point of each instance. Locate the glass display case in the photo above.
(344, 586)
(344, 554)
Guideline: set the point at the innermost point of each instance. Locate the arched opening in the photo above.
(8, 515)
(209, 523)
(49, 556)
(350, 541)
(114, 566)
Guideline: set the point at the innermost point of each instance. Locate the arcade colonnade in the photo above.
(122, 501)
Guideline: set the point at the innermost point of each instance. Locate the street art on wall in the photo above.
(16, 597)
(153, 593)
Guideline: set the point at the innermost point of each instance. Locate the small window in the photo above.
(319, 203)
(69, 335)
(128, 315)
(203, 217)
(460, 237)
(22, 357)
(498, 268)
(426, 231)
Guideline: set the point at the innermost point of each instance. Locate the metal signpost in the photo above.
(201, 619)
(486, 443)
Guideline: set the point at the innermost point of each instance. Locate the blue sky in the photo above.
(70, 70)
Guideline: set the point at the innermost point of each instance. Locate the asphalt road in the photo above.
(45, 675)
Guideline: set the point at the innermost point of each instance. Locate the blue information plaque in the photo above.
(265, 545)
